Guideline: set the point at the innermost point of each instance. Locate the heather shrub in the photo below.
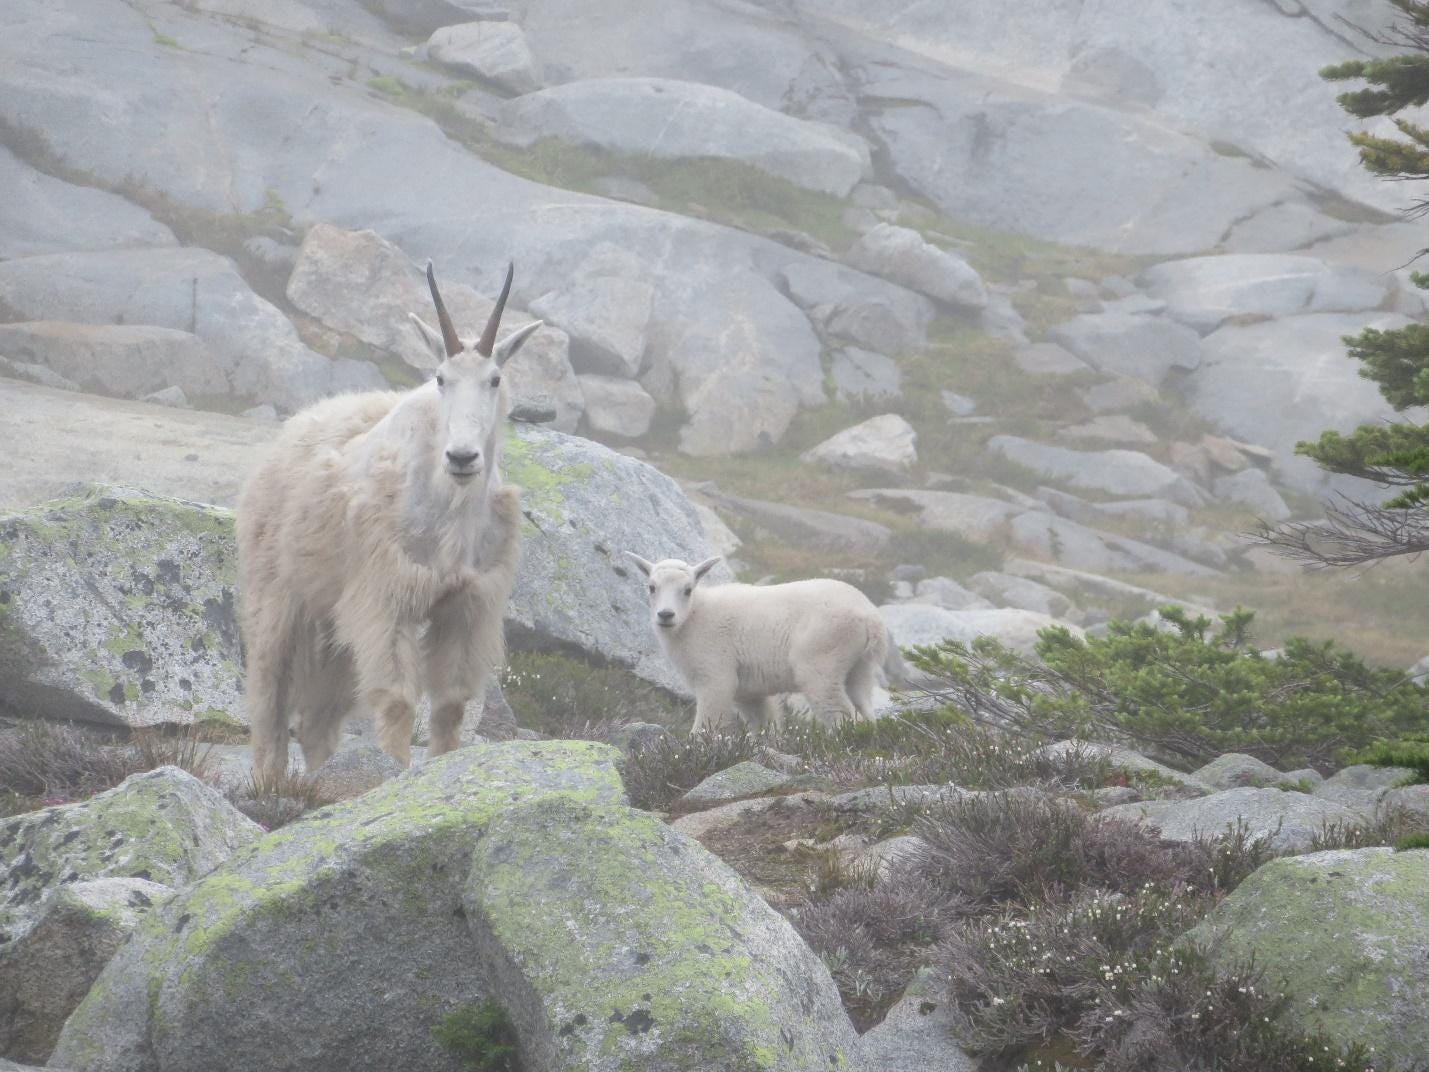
(668, 767)
(873, 938)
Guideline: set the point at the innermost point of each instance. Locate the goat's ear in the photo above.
(431, 336)
(645, 567)
(507, 347)
(707, 565)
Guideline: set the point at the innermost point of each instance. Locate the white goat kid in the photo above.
(377, 550)
(736, 645)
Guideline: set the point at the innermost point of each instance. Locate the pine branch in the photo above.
(1353, 534)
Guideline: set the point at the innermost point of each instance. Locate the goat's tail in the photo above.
(895, 671)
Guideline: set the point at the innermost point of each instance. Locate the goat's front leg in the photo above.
(462, 647)
(715, 708)
(388, 661)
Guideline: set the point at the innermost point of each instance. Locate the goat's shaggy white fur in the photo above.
(737, 645)
(377, 550)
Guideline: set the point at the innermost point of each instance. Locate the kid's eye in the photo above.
(441, 380)
(688, 591)
(652, 589)
(496, 380)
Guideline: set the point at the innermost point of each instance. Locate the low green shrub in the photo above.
(1181, 689)
(481, 1036)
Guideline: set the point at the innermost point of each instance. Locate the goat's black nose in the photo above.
(463, 457)
(666, 615)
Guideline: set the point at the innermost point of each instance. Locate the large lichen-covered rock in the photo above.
(45, 973)
(335, 942)
(1287, 821)
(117, 606)
(164, 826)
(585, 505)
(621, 945)
(1361, 978)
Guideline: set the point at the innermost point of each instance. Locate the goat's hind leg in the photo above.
(268, 639)
(860, 684)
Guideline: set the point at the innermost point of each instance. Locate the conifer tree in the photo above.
(1393, 455)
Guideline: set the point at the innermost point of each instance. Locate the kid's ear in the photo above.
(645, 567)
(707, 565)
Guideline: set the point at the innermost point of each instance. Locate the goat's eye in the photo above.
(652, 589)
(441, 380)
(496, 380)
(689, 590)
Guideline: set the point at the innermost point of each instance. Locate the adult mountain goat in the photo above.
(377, 548)
(736, 645)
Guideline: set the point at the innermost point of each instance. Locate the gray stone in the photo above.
(818, 529)
(46, 972)
(720, 536)
(256, 348)
(1235, 770)
(117, 359)
(923, 624)
(1137, 345)
(1308, 775)
(864, 375)
(880, 444)
(1156, 190)
(1273, 46)
(616, 407)
(47, 439)
(1111, 429)
(265, 413)
(870, 313)
(1091, 586)
(916, 1035)
(40, 374)
(606, 308)
(1069, 543)
(1286, 821)
(1299, 362)
(1289, 225)
(1118, 395)
(534, 408)
(903, 256)
(1154, 512)
(586, 504)
(1127, 473)
(353, 770)
(169, 396)
(1132, 762)
(705, 972)
(120, 609)
(494, 51)
(885, 796)
(1048, 359)
(1203, 292)
(767, 58)
(665, 119)
(977, 517)
(1360, 980)
(1364, 776)
(886, 857)
(1112, 795)
(958, 405)
(742, 780)
(42, 214)
(164, 826)
(371, 888)
(703, 823)
(1252, 488)
(633, 736)
(1006, 590)
(947, 593)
